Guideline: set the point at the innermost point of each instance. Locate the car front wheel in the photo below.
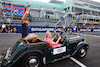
(32, 60)
(81, 52)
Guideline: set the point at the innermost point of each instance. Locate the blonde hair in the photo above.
(47, 33)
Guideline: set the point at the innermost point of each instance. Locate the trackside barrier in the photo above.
(89, 30)
(39, 29)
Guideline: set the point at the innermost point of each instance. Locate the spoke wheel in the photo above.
(32, 60)
(81, 52)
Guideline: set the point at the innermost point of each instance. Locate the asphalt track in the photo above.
(92, 58)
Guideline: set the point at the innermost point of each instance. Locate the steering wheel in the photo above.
(56, 38)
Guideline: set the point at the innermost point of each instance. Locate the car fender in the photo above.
(80, 44)
(26, 53)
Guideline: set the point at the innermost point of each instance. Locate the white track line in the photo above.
(76, 61)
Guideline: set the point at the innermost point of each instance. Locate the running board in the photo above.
(64, 57)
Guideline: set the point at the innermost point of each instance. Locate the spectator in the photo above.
(61, 32)
(87, 29)
(65, 28)
(0, 28)
(70, 31)
(7, 28)
(10, 28)
(41, 25)
(91, 30)
(3, 28)
(74, 29)
(78, 29)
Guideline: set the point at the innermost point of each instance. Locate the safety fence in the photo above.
(39, 29)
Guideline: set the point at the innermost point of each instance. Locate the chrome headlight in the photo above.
(82, 39)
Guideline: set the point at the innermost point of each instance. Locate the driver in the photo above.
(50, 41)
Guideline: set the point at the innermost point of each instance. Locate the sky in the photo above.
(48, 0)
(96, 0)
(61, 0)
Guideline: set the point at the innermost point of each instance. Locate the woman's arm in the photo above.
(54, 37)
(54, 43)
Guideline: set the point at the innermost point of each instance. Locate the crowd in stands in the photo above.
(6, 28)
(87, 27)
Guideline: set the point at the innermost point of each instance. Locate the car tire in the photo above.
(32, 60)
(81, 53)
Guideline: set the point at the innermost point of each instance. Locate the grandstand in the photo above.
(47, 14)
(90, 12)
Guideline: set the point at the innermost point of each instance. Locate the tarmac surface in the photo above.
(92, 59)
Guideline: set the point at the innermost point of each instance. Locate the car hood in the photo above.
(74, 38)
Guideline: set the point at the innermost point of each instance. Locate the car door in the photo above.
(56, 53)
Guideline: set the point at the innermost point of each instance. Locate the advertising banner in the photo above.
(17, 10)
(39, 29)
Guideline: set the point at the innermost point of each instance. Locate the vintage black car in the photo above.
(40, 53)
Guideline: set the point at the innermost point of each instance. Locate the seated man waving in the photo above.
(25, 35)
(50, 41)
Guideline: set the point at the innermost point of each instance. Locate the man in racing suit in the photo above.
(25, 33)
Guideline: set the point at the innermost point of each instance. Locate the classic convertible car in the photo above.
(41, 53)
